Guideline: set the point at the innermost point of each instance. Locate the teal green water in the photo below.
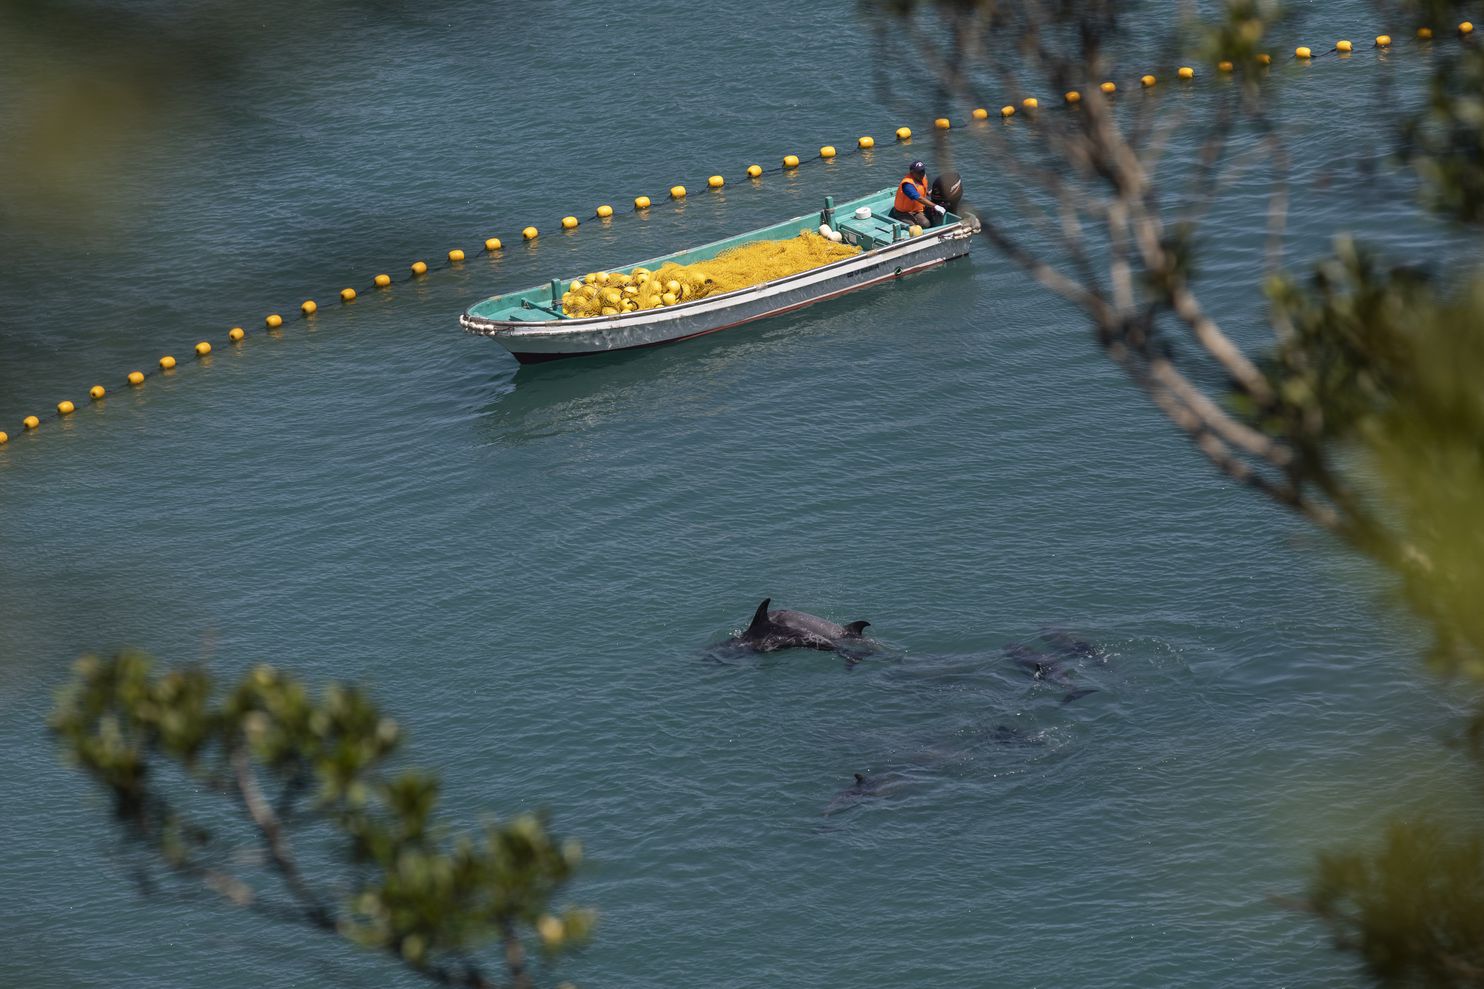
(530, 564)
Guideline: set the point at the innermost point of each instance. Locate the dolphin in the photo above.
(774, 630)
(1069, 645)
(864, 788)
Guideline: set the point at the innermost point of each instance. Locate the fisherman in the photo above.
(912, 204)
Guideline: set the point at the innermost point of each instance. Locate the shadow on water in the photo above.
(539, 401)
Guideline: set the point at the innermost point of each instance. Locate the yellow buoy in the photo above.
(274, 321)
(30, 422)
(1467, 27)
(347, 294)
(1224, 66)
(790, 161)
(4, 437)
(530, 233)
(1302, 52)
(1425, 33)
(309, 307)
(1264, 58)
(865, 141)
(1073, 96)
(382, 281)
(716, 181)
(1147, 81)
(915, 230)
(942, 123)
(203, 348)
(1030, 103)
(493, 244)
(1186, 72)
(1344, 46)
(1109, 87)
(1383, 41)
(569, 223)
(419, 267)
(677, 192)
(980, 113)
(641, 202)
(605, 211)
(96, 392)
(753, 171)
(136, 377)
(904, 133)
(66, 408)
(827, 152)
(167, 362)
(235, 334)
(1007, 111)
(455, 255)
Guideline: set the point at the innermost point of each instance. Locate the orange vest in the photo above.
(904, 204)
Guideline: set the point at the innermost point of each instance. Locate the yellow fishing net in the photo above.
(606, 293)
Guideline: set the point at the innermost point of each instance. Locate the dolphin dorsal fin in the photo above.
(855, 629)
(759, 624)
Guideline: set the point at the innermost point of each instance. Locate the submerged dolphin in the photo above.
(797, 630)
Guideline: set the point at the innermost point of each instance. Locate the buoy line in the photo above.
(1029, 107)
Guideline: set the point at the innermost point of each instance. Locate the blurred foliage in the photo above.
(347, 846)
(1370, 390)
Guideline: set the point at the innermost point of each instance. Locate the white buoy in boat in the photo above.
(836, 236)
(824, 230)
(864, 213)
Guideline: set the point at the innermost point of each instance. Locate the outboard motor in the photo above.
(947, 190)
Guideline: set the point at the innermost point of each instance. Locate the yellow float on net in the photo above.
(942, 123)
(4, 437)
(309, 307)
(569, 223)
(604, 211)
(235, 334)
(1147, 81)
(66, 408)
(915, 230)
(1073, 97)
(347, 295)
(980, 113)
(865, 142)
(1467, 27)
(904, 133)
(1109, 87)
(1007, 111)
(167, 362)
(677, 192)
(754, 171)
(530, 233)
(1424, 33)
(30, 422)
(1030, 103)
(96, 392)
(1383, 41)
(1264, 58)
(1224, 66)
(1344, 46)
(827, 152)
(641, 202)
(136, 378)
(716, 181)
(203, 348)
(274, 321)
(1186, 72)
(1302, 52)
(455, 255)
(382, 281)
(491, 244)
(790, 161)
(419, 267)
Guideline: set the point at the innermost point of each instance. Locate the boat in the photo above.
(530, 323)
